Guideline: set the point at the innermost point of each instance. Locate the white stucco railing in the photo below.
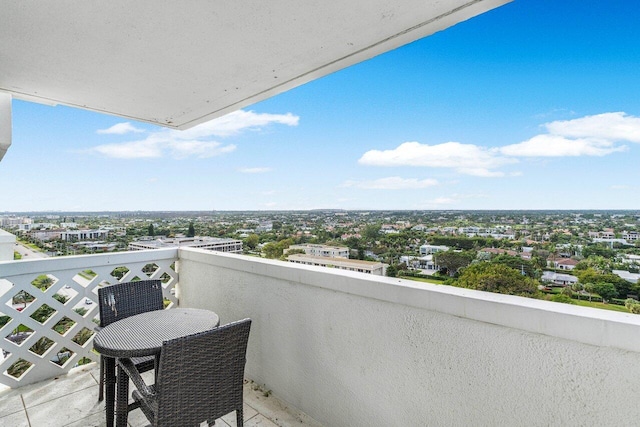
(355, 350)
(66, 336)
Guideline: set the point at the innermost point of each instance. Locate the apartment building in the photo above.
(432, 249)
(322, 250)
(209, 243)
(368, 267)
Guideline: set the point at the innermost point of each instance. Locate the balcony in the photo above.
(352, 349)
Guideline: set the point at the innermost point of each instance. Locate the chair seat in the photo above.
(144, 364)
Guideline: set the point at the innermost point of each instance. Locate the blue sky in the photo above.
(534, 105)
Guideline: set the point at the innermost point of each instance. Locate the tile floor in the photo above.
(72, 401)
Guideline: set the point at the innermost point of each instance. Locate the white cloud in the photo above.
(595, 135)
(607, 126)
(199, 149)
(254, 170)
(157, 147)
(548, 145)
(391, 183)
(195, 142)
(131, 150)
(465, 158)
(120, 129)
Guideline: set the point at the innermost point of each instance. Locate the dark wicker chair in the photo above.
(199, 379)
(122, 300)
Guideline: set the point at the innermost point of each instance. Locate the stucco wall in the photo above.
(7, 242)
(353, 350)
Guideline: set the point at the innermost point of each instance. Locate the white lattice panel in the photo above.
(77, 279)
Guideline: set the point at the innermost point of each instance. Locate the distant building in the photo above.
(560, 279)
(322, 250)
(46, 235)
(209, 243)
(626, 275)
(368, 267)
(75, 235)
(432, 249)
(96, 246)
(612, 241)
(14, 221)
(425, 262)
(265, 227)
(563, 263)
(498, 251)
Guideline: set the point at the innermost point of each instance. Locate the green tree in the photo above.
(499, 278)
(632, 305)
(590, 275)
(119, 272)
(252, 241)
(151, 231)
(515, 262)
(276, 249)
(453, 261)
(589, 288)
(605, 290)
(371, 232)
(392, 271)
(563, 298)
(191, 232)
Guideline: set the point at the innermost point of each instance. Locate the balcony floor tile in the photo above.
(72, 401)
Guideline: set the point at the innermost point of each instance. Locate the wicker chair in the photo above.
(199, 379)
(122, 300)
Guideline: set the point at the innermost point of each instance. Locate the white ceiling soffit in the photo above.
(178, 64)
(5, 123)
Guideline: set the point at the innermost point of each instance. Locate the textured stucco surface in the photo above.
(7, 242)
(361, 357)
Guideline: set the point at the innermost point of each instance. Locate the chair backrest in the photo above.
(122, 300)
(200, 376)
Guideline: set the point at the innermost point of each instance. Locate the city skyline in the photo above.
(533, 105)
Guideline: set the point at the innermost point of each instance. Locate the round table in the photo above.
(143, 334)
(138, 336)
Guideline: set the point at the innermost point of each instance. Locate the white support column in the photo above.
(5, 123)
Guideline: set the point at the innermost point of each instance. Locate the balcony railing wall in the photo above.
(357, 350)
(49, 306)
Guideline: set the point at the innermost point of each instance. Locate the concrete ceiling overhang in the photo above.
(178, 64)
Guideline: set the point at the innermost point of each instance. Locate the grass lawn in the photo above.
(612, 307)
(422, 279)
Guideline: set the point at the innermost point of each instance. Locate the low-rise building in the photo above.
(627, 275)
(562, 263)
(209, 243)
(560, 279)
(85, 234)
(432, 249)
(322, 250)
(368, 267)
